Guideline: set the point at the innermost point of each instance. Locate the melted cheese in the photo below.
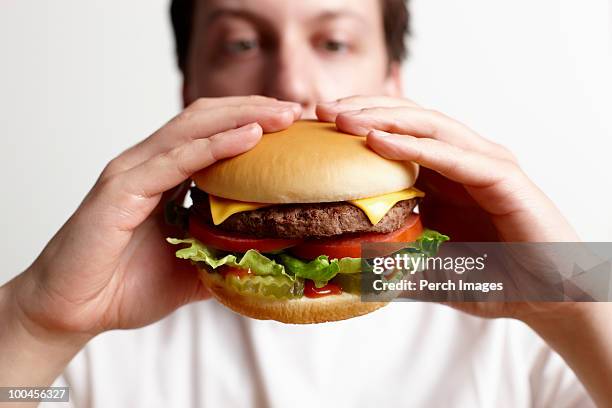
(377, 207)
(223, 208)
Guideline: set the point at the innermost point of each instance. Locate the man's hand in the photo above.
(109, 266)
(476, 191)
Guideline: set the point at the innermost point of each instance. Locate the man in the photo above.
(109, 268)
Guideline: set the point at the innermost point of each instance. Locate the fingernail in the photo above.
(251, 126)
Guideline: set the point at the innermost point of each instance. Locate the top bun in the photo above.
(310, 162)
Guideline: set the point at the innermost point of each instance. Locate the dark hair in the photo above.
(396, 20)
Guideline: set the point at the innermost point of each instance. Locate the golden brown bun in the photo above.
(310, 162)
(296, 311)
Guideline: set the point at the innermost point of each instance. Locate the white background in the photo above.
(82, 80)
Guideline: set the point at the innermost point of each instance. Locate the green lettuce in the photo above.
(198, 252)
(429, 242)
(281, 264)
(320, 270)
(280, 287)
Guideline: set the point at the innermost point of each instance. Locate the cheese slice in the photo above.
(377, 207)
(223, 208)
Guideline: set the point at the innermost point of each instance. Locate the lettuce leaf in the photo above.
(427, 245)
(280, 287)
(198, 252)
(429, 242)
(320, 270)
(349, 265)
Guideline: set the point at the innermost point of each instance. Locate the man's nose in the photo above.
(290, 77)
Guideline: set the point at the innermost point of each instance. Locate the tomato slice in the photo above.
(232, 242)
(350, 246)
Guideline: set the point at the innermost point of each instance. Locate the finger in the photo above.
(457, 164)
(194, 124)
(256, 100)
(328, 111)
(497, 185)
(137, 191)
(166, 170)
(419, 122)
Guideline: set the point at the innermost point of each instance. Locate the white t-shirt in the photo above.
(404, 355)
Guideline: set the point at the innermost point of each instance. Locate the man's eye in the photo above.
(334, 46)
(240, 46)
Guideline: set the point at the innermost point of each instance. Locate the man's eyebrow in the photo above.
(218, 13)
(332, 15)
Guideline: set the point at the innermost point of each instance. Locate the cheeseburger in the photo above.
(276, 232)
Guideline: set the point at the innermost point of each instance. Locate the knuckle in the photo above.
(117, 206)
(208, 147)
(176, 158)
(248, 109)
(183, 170)
(112, 167)
(510, 168)
(259, 98)
(433, 122)
(507, 153)
(171, 156)
(107, 191)
(361, 112)
(185, 116)
(350, 100)
(244, 112)
(111, 184)
(200, 103)
(377, 110)
(436, 114)
(355, 98)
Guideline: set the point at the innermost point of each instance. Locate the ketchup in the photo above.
(239, 272)
(311, 291)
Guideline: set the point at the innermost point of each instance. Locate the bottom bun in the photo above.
(297, 311)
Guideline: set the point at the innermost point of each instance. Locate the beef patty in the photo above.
(303, 220)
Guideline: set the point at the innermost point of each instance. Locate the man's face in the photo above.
(305, 51)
